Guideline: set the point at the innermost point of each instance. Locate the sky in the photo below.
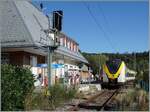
(101, 27)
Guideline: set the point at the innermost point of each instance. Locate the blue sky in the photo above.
(124, 25)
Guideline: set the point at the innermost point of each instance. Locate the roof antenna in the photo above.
(41, 6)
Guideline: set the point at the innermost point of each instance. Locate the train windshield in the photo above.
(113, 66)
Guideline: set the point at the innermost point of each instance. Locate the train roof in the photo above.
(114, 60)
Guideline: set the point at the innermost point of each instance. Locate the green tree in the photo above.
(96, 61)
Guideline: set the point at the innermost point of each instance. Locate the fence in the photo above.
(144, 85)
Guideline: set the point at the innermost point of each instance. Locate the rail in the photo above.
(96, 102)
(101, 100)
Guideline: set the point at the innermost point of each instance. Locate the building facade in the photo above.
(23, 41)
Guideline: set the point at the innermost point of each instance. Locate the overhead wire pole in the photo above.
(57, 17)
(57, 22)
(49, 58)
(99, 63)
(49, 61)
(135, 61)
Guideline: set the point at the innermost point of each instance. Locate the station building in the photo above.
(23, 41)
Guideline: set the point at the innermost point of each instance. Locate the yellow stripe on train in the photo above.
(116, 75)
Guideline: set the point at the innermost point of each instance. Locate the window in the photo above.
(113, 66)
(5, 58)
(74, 47)
(65, 42)
(71, 46)
(26, 60)
(61, 41)
(66, 66)
(68, 44)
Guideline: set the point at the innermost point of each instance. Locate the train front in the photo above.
(114, 73)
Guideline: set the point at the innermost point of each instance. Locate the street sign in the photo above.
(53, 65)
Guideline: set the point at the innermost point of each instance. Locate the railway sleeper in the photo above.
(91, 107)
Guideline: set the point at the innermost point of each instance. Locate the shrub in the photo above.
(16, 82)
(37, 101)
(70, 93)
(58, 95)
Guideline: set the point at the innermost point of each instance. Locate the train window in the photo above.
(113, 66)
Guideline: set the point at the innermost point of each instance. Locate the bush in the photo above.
(16, 83)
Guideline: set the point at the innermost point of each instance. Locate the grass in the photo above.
(133, 100)
(37, 101)
(58, 94)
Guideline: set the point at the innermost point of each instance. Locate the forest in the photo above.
(137, 61)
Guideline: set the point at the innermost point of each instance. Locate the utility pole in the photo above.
(49, 57)
(135, 61)
(49, 61)
(99, 64)
(56, 28)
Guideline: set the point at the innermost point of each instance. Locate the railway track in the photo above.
(96, 102)
(101, 100)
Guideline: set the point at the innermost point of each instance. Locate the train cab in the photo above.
(114, 72)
